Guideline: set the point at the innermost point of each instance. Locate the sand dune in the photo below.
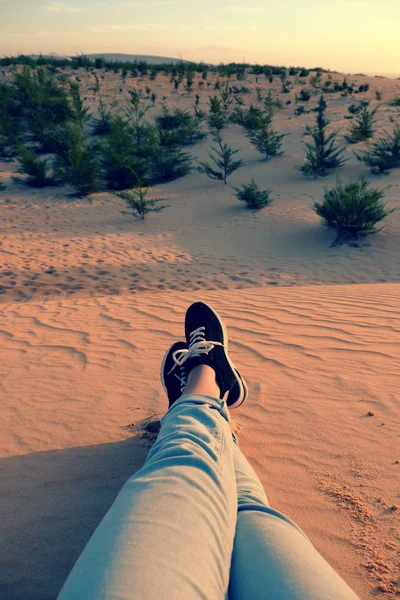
(90, 299)
(77, 373)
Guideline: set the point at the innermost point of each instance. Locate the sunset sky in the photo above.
(346, 35)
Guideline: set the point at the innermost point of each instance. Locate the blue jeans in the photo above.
(194, 523)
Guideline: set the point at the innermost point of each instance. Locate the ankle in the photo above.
(202, 380)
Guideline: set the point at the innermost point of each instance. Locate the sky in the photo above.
(353, 36)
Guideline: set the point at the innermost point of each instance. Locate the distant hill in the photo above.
(153, 60)
(50, 55)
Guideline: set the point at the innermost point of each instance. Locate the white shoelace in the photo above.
(198, 345)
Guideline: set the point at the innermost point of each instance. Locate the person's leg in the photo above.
(169, 533)
(272, 558)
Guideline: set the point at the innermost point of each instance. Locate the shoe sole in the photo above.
(245, 391)
(162, 371)
(239, 379)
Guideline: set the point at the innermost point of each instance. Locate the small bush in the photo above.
(77, 160)
(10, 121)
(378, 95)
(253, 196)
(267, 141)
(354, 109)
(315, 80)
(46, 104)
(169, 163)
(183, 128)
(252, 119)
(384, 153)
(139, 204)
(217, 116)
(224, 163)
(36, 169)
(362, 128)
(353, 208)
(304, 95)
(322, 154)
(395, 101)
(80, 112)
(122, 163)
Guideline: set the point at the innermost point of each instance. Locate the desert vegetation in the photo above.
(353, 209)
(384, 153)
(48, 126)
(323, 154)
(253, 196)
(138, 202)
(222, 162)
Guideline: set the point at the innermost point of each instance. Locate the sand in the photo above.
(90, 299)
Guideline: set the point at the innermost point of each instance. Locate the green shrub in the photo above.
(217, 117)
(353, 208)
(299, 110)
(169, 163)
(80, 112)
(315, 80)
(253, 196)
(362, 128)
(378, 95)
(322, 154)
(10, 121)
(77, 160)
(46, 104)
(304, 95)
(36, 169)
(354, 109)
(224, 163)
(396, 101)
(252, 119)
(384, 153)
(226, 98)
(124, 161)
(139, 204)
(266, 141)
(183, 127)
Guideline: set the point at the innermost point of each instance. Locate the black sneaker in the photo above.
(173, 379)
(207, 341)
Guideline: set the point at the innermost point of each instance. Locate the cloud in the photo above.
(122, 28)
(59, 7)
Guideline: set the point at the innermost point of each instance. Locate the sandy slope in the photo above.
(91, 298)
(76, 373)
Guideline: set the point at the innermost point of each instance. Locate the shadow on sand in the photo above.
(51, 502)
